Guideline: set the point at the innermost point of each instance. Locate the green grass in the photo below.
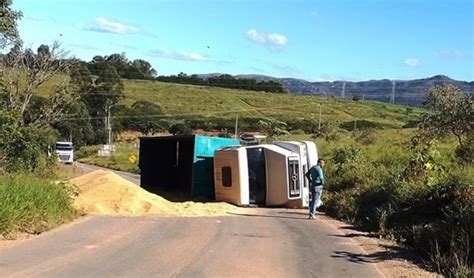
(203, 101)
(228, 103)
(32, 205)
(120, 161)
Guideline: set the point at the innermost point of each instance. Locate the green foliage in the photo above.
(298, 132)
(85, 151)
(137, 69)
(78, 126)
(308, 126)
(361, 124)
(22, 148)
(143, 116)
(8, 24)
(425, 164)
(225, 81)
(120, 161)
(427, 204)
(328, 131)
(180, 129)
(31, 205)
(98, 94)
(366, 136)
(349, 168)
(452, 112)
(273, 127)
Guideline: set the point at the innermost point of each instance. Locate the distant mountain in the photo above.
(409, 92)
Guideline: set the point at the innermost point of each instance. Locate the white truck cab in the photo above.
(65, 151)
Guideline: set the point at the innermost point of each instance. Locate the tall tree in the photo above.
(26, 72)
(99, 93)
(120, 62)
(8, 24)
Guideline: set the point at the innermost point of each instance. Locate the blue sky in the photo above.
(313, 40)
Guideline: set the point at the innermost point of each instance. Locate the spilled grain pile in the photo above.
(106, 193)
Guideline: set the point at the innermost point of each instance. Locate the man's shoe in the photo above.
(311, 217)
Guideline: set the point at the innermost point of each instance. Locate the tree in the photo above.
(142, 70)
(273, 127)
(120, 62)
(452, 112)
(8, 24)
(99, 93)
(77, 125)
(143, 116)
(26, 72)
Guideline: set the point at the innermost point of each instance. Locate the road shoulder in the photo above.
(390, 258)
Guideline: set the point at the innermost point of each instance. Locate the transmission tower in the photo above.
(392, 96)
(343, 93)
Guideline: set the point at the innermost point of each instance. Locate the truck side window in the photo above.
(226, 176)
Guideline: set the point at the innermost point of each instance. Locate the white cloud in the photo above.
(104, 25)
(449, 53)
(272, 41)
(412, 62)
(277, 39)
(178, 55)
(255, 36)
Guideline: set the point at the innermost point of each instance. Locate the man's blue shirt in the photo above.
(316, 175)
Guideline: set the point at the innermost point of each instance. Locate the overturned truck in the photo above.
(268, 174)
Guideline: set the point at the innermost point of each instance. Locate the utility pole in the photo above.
(109, 126)
(363, 97)
(355, 124)
(236, 126)
(319, 120)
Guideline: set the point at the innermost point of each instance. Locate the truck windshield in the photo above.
(63, 147)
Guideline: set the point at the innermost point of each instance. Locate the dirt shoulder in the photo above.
(392, 259)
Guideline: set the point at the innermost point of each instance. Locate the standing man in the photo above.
(315, 176)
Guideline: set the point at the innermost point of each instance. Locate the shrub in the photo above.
(23, 148)
(328, 131)
(465, 153)
(366, 137)
(85, 151)
(361, 124)
(180, 129)
(298, 132)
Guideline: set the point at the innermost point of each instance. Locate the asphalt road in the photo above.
(269, 243)
(86, 168)
(262, 243)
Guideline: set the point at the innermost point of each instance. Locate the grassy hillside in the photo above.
(202, 101)
(220, 102)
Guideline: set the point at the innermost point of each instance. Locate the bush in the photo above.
(328, 131)
(432, 211)
(23, 148)
(298, 132)
(465, 154)
(366, 137)
(361, 124)
(85, 151)
(180, 129)
(30, 205)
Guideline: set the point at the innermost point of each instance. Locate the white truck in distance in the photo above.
(65, 152)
